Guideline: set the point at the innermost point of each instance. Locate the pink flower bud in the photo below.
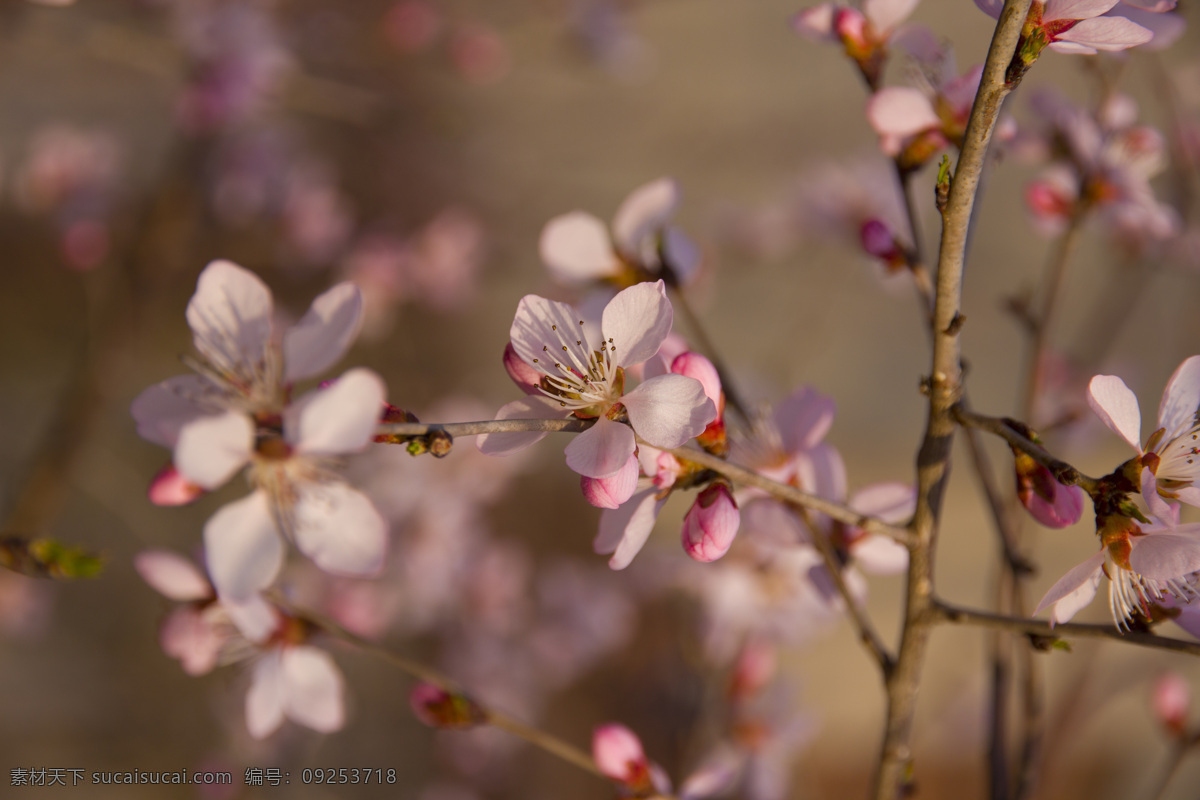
(668, 469)
(1171, 700)
(523, 375)
(879, 241)
(169, 488)
(694, 365)
(614, 490)
(851, 27)
(619, 755)
(711, 524)
(1050, 503)
(439, 708)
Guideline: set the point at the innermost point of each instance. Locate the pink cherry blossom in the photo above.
(1075, 26)
(864, 30)
(578, 247)
(914, 124)
(583, 374)
(614, 490)
(1172, 453)
(297, 682)
(1144, 563)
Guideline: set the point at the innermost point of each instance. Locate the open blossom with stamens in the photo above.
(1172, 453)
(1145, 564)
(1072, 26)
(583, 375)
(577, 247)
(237, 412)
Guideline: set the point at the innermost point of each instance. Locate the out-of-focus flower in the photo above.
(1071, 26)
(584, 375)
(1171, 701)
(619, 755)
(578, 248)
(863, 30)
(439, 708)
(913, 125)
(412, 25)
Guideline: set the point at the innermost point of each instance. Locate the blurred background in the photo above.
(418, 147)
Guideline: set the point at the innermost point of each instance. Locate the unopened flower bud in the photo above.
(1051, 503)
(711, 524)
(1171, 700)
(879, 241)
(439, 708)
(694, 365)
(614, 490)
(619, 755)
(169, 488)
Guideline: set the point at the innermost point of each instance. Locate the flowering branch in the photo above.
(422, 672)
(945, 389)
(944, 612)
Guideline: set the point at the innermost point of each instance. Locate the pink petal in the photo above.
(532, 407)
(893, 503)
(1064, 511)
(803, 418)
(816, 23)
(1075, 9)
(637, 321)
(187, 635)
(885, 15)
(1167, 28)
(901, 111)
(614, 490)
(339, 529)
(163, 409)
(254, 617)
(1181, 399)
(312, 689)
(242, 548)
(643, 213)
(265, 699)
(172, 575)
(1157, 506)
(694, 365)
(1074, 581)
(990, 7)
(230, 315)
(820, 470)
(1156, 6)
(711, 524)
(1101, 33)
(324, 334)
(602, 450)
(880, 555)
(540, 323)
(771, 522)
(618, 752)
(624, 532)
(681, 253)
(1117, 408)
(523, 375)
(669, 410)
(576, 248)
(341, 418)
(211, 449)
(1165, 556)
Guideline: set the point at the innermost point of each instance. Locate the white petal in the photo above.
(324, 334)
(1155, 504)
(1075, 9)
(669, 410)
(624, 531)
(1082, 575)
(1165, 556)
(894, 503)
(1181, 399)
(254, 617)
(532, 407)
(887, 14)
(1102, 33)
(1117, 407)
(637, 321)
(265, 700)
(211, 449)
(341, 418)
(644, 212)
(186, 634)
(901, 111)
(313, 689)
(161, 410)
(803, 418)
(172, 575)
(230, 315)
(339, 529)
(820, 470)
(242, 548)
(1072, 603)
(880, 555)
(576, 248)
(602, 450)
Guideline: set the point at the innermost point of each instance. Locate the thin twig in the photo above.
(422, 672)
(944, 612)
(894, 775)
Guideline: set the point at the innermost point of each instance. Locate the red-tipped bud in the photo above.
(711, 524)
(1171, 701)
(169, 488)
(619, 755)
(523, 375)
(851, 27)
(1050, 503)
(439, 708)
(694, 365)
(614, 490)
(879, 242)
